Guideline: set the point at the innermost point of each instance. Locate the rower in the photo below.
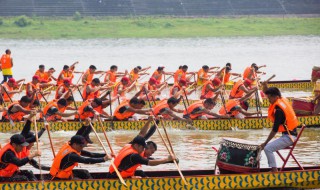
(33, 87)
(17, 110)
(10, 161)
(252, 71)
(242, 88)
(131, 156)
(210, 88)
(90, 109)
(237, 108)
(88, 75)
(159, 73)
(226, 73)
(40, 73)
(284, 120)
(112, 74)
(63, 88)
(92, 90)
(182, 74)
(178, 89)
(70, 155)
(126, 110)
(66, 73)
(202, 108)
(135, 73)
(31, 139)
(122, 87)
(55, 110)
(9, 89)
(153, 89)
(166, 109)
(48, 76)
(202, 75)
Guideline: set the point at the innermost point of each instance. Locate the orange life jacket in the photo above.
(157, 108)
(133, 76)
(17, 116)
(91, 95)
(65, 89)
(229, 105)
(40, 74)
(24, 153)
(112, 76)
(48, 106)
(126, 114)
(157, 76)
(125, 151)
(179, 73)
(236, 92)
(47, 77)
(191, 108)
(55, 170)
(66, 75)
(116, 89)
(202, 74)
(6, 61)
(89, 76)
(8, 89)
(291, 118)
(226, 76)
(82, 113)
(176, 85)
(206, 93)
(247, 72)
(10, 169)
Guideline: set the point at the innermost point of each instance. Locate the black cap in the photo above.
(19, 140)
(139, 140)
(52, 111)
(98, 101)
(78, 139)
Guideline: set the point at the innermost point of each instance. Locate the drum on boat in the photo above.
(303, 106)
(315, 75)
(238, 156)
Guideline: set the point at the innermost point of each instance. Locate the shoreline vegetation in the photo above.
(79, 27)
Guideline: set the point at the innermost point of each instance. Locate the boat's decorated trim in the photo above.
(212, 124)
(300, 179)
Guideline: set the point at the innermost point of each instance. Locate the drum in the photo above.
(315, 75)
(303, 106)
(238, 156)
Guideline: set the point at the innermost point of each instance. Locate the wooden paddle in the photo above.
(105, 150)
(171, 152)
(38, 146)
(75, 104)
(105, 135)
(50, 140)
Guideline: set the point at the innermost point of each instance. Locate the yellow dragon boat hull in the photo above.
(210, 124)
(203, 179)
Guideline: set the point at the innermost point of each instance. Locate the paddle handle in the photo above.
(269, 79)
(105, 150)
(105, 135)
(49, 135)
(38, 146)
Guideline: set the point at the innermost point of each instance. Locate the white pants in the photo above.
(278, 144)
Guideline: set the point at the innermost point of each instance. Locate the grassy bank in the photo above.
(150, 27)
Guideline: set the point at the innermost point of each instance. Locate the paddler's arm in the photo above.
(92, 154)
(35, 164)
(73, 157)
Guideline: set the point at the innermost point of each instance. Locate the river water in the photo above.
(289, 57)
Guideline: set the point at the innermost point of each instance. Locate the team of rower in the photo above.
(96, 96)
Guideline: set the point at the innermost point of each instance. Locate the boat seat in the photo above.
(291, 148)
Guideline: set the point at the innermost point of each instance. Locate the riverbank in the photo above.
(78, 27)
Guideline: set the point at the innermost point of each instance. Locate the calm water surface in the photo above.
(289, 57)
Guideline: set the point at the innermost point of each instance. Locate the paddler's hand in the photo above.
(151, 118)
(171, 158)
(262, 145)
(35, 154)
(107, 157)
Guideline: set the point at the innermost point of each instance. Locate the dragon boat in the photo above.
(209, 124)
(292, 178)
(293, 84)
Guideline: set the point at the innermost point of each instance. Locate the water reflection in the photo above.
(193, 147)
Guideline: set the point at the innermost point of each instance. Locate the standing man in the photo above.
(284, 120)
(6, 65)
